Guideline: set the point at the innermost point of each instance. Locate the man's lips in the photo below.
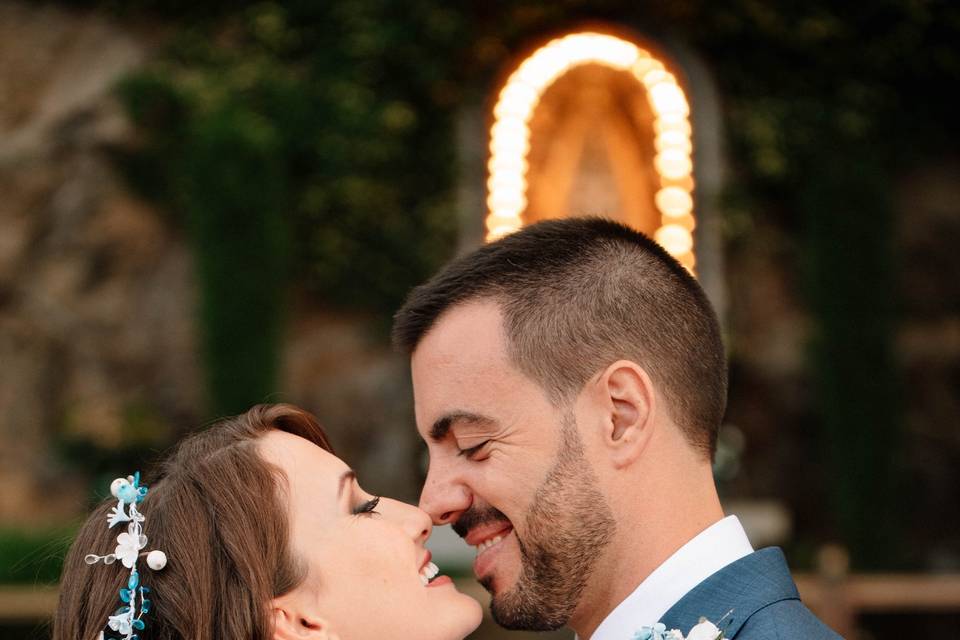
(484, 532)
(486, 529)
(489, 551)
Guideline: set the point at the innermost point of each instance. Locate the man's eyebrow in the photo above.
(441, 427)
(345, 479)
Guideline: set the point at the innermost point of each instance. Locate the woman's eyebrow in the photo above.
(347, 477)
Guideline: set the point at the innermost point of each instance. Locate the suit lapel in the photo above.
(745, 586)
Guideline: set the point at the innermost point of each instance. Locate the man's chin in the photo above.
(510, 611)
(487, 583)
(496, 583)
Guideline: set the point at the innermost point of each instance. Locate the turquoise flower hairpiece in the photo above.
(127, 620)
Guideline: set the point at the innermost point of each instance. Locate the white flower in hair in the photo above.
(117, 516)
(121, 623)
(128, 548)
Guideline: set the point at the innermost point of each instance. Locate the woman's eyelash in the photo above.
(366, 507)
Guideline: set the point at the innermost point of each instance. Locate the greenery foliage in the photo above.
(33, 556)
(297, 148)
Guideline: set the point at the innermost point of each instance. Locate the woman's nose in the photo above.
(414, 521)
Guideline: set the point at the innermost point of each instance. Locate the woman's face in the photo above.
(365, 558)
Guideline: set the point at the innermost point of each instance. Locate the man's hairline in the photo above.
(560, 400)
(462, 302)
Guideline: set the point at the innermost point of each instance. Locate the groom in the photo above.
(569, 383)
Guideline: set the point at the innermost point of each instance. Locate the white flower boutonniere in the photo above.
(704, 630)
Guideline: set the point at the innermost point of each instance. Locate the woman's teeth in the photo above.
(428, 573)
(483, 546)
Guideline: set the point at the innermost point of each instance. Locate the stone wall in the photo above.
(96, 331)
(98, 339)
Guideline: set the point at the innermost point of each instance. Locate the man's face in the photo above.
(507, 470)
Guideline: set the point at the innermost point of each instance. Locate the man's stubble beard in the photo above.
(566, 529)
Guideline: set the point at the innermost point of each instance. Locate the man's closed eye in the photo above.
(472, 452)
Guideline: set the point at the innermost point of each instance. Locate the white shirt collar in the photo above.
(718, 545)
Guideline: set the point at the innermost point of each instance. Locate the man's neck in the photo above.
(642, 549)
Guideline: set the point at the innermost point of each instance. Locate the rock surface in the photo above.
(98, 338)
(96, 327)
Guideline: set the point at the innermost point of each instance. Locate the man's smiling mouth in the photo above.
(486, 544)
(488, 540)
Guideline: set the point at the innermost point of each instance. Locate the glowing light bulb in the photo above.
(673, 119)
(645, 65)
(673, 163)
(674, 202)
(615, 52)
(507, 181)
(667, 97)
(656, 76)
(517, 102)
(674, 238)
(672, 124)
(510, 146)
(510, 127)
(504, 200)
(495, 220)
(673, 140)
(507, 164)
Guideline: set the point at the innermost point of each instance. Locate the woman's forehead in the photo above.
(299, 458)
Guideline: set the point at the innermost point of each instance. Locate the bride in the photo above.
(254, 529)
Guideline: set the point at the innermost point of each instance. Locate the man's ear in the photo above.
(294, 622)
(627, 393)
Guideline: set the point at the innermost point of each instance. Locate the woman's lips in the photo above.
(440, 581)
(427, 557)
(428, 570)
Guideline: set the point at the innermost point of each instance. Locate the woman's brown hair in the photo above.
(218, 510)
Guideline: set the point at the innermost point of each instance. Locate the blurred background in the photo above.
(205, 205)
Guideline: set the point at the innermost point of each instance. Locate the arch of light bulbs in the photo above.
(510, 134)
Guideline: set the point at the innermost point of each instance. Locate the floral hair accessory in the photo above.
(128, 619)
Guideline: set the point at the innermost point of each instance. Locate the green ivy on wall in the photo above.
(308, 148)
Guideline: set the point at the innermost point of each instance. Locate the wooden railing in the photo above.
(838, 597)
(27, 604)
(835, 595)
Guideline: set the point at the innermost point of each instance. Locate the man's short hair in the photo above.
(578, 294)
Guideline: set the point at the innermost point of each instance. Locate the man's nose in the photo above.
(444, 497)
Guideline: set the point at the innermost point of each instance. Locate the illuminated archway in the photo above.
(510, 134)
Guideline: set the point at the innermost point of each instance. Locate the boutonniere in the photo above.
(703, 630)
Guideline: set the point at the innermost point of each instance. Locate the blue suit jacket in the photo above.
(764, 599)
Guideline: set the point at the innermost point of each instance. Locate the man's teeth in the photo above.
(486, 544)
(428, 573)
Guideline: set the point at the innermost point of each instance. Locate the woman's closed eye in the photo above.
(367, 507)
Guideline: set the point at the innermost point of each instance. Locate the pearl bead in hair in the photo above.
(116, 485)
(156, 560)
